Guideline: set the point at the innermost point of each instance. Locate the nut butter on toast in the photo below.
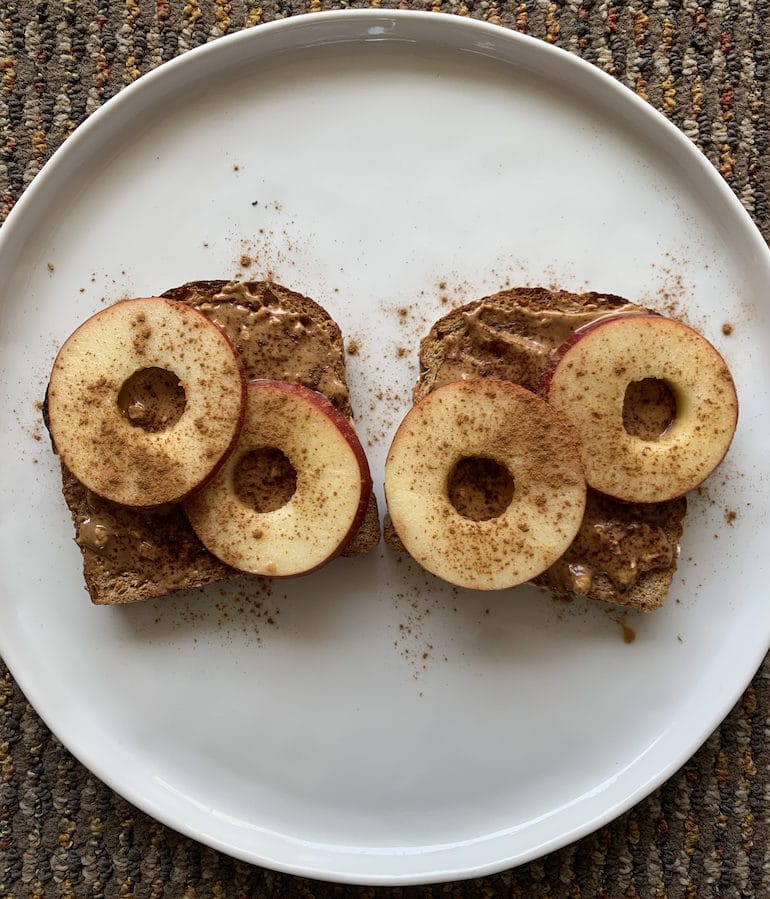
(132, 554)
(624, 553)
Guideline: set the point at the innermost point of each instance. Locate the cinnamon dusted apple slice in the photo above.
(588, 382)
(294, 490)
(145, 400)
(477, 425)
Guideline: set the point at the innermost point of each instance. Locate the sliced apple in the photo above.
(588, 382)
(326, 506)
(495, 420)
(114, 445)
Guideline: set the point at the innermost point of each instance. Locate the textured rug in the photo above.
(706, 832)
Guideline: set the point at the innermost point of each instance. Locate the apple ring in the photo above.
(333, 485)
(588, 383)
(104, 448)
(488, 419)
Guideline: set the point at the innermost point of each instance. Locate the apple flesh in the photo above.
(500, 421)
(333, 485)
(587, 382)
(109, 451)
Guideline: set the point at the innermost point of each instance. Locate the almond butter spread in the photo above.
(140, 545)
(103, 533)
(514, 344)
(617, 542)
(277, 343)
(152, 399)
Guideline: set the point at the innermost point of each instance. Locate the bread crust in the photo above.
(513, 354)
(161, 553)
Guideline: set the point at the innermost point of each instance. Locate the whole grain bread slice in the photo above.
(137, 554)
(624, 553)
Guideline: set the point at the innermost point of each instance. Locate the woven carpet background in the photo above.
(706, 832)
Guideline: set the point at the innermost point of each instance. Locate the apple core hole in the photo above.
(649, 408)
(480, 488)
(264, 479)
(152, 399)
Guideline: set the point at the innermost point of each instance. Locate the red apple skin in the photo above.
(563, 349)
(348, 432)
(50, 419)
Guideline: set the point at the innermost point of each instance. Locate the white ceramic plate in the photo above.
(368, 723)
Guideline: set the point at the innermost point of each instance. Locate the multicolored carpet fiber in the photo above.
(706, 832)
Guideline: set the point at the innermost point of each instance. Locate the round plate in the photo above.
(369, 723)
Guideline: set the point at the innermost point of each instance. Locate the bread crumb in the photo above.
(50, 266)
(730, 515)
(353, 347)
(245, 261)
(727, 329)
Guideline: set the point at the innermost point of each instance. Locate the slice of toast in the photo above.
(137, 554)
(624, 553)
